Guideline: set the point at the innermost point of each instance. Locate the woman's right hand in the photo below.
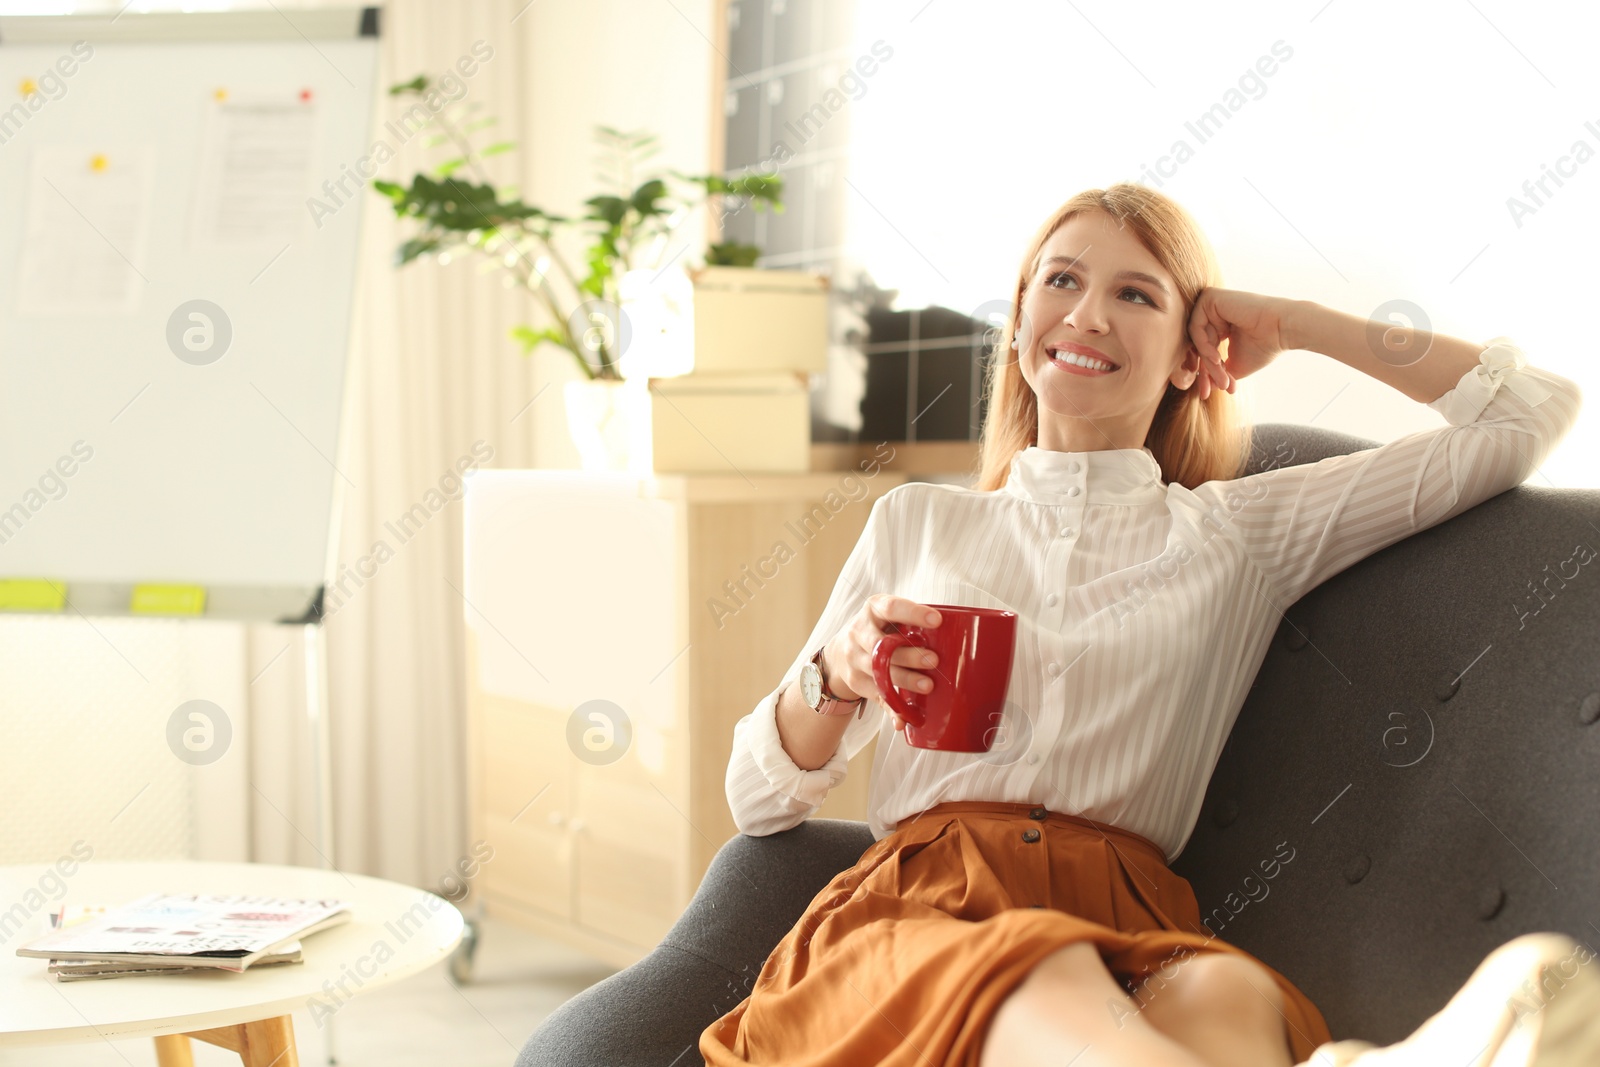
(849, 654)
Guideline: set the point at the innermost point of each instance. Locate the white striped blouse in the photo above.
(1144, 609)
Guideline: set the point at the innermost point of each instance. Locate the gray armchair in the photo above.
(1422, 735)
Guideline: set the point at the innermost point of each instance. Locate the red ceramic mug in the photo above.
(961, 713)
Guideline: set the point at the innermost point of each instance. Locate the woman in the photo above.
(1016, 906)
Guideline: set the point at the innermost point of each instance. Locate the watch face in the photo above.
(811, 684)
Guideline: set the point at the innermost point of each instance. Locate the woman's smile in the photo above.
(1079, 363)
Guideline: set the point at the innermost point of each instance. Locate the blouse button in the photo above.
(1072, 490)
(1033, 757)
(1066, 531)
(1054, 667)
(1050, 601)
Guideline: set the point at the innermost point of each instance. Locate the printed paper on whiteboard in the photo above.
(88, 220)
(257, 155)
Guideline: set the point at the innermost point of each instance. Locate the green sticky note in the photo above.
(155, 599)
(32, 594)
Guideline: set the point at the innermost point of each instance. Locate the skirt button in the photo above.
(1030, 835)
(1037, 813)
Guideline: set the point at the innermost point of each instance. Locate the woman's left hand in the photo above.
(1236, 333)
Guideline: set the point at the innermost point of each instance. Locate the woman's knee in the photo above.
(1210, 986)
(1068, 975)
(1070, 1001)
(1076, 964)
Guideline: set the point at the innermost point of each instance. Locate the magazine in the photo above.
(80, 970)
(190, 930)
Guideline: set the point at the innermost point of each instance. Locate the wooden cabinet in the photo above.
(617, 627)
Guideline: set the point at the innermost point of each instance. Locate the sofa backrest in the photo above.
(1414, 778)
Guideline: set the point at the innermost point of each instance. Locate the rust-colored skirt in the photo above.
(904, 958)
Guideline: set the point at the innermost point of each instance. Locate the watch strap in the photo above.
(828, 695)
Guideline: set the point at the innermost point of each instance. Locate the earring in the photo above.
(1014, 344)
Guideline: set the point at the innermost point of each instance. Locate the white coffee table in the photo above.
(395, 931)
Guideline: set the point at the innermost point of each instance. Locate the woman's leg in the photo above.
(1070, 1012)
(1226, 1009)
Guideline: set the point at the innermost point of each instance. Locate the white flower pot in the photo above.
(610, 424)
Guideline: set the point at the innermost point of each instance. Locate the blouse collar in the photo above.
(1104, 476)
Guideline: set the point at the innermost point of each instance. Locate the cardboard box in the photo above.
(731, 423)
(747, 319)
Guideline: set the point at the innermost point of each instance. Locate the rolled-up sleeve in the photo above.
(1304, 523)
(767, 791)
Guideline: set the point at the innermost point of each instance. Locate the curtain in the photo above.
(434, 385)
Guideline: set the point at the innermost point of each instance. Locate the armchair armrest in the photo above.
(652, 1013)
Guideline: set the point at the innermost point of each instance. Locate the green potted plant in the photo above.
(456, 209)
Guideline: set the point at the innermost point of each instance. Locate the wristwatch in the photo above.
(814, 688)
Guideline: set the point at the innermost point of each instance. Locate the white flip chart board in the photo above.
(174, 314)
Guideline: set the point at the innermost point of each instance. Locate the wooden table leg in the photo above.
(265, 1043)
(173, 1050)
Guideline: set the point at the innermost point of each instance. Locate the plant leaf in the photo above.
(530, 338)
(608, 209)
(450, 204)
(413, 248)
(645, 197)
(732, 254)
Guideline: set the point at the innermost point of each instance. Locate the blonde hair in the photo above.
(1193, 440)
